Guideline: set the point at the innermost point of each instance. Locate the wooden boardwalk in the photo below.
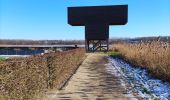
(91, 82)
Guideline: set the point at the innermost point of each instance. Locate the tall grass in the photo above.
(25, 78)
(155, 56)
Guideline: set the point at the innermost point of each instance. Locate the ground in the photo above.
(92, 81)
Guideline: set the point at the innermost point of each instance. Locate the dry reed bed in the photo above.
(23, 79)
(155, 56)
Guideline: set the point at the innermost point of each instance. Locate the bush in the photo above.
(23, 79)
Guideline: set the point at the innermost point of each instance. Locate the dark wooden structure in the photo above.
(96, 20)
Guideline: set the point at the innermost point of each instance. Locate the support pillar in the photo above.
(96, 45)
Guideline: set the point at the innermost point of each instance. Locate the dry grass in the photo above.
(154, 56)
(23, 79)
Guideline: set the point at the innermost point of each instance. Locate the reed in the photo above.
(155, 56)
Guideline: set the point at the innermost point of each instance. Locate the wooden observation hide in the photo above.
(96, 20)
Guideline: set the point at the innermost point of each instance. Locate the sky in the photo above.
(47, 19)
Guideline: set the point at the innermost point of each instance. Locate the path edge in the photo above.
(65, 83)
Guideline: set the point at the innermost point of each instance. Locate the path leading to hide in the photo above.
(92, 81)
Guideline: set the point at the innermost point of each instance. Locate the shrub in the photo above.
(25, 78)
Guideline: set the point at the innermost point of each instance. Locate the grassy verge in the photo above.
(154, 56)
(112, 53)
(2, 59)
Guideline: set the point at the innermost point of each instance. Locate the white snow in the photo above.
(140, 80)
(116, 72)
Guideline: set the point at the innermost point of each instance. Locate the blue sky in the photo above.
(47, 19)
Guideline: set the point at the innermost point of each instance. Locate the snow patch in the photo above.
(116, 72)
(140, 80)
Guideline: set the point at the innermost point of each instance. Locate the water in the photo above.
(20, 52)
(141, 81)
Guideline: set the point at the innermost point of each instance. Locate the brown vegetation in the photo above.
(23, 79)
(155, 56)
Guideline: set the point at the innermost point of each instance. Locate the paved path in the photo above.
(91, 82)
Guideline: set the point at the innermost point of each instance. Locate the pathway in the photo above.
(92, 81)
